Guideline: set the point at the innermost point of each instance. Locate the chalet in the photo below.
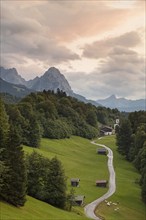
(101, 183)
(104, 131)
(75, 182)
(79, 200)
(102, 151)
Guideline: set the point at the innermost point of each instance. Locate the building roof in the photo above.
(101, 150)
(75, 179)
(106, 129)
(101, 181)
(79, 198)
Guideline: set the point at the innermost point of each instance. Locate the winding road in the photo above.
(90, 208)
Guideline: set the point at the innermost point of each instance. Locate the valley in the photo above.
(79, 159)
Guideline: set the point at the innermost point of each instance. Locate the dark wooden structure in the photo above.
(75, 182)
(101, 183)
(102, 151)
(79, 200)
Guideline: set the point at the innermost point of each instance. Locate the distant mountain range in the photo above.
(123, 104)
(52, 79)
(11, 82)
(14, 89)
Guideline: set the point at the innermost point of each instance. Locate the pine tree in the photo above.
(14, 189)
(34, 132)
(4, 125)
(56, 184)
(124, 137)
(37, 170)
(4, 131)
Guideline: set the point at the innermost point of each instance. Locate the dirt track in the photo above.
(90, 208)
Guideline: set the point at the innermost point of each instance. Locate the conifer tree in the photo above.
(37, 170)
(56, 184)
(4, 130)
(124, 137)
(14, 188)
(4, 125)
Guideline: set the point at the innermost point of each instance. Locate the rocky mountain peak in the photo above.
(52, 80)
(11, 75)
(53, 72)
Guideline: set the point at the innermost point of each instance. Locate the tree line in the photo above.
(56, 115)
(131, 142)
(32, 174)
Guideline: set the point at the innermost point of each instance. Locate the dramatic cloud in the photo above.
(78, 36)
(27, 37)
(121, 74)
(102, 48)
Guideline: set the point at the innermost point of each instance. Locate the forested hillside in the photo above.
(131, 141)
(56, 115)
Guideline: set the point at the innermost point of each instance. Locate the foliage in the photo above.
(4, 125)
(55, 189)
(124, 137)
(37, 170)
(46, 179)
(131, 141)
(56, 116)
(13, 170)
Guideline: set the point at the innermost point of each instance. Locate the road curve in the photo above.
(90, 208)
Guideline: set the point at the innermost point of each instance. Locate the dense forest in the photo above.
(131, 142)
(50, 115)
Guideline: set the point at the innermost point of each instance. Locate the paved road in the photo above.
(90, 208)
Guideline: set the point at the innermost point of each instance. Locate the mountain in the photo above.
(123, 104)
(14, 89)
(52, 79)
(11, 76)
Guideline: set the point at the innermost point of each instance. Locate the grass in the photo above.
(127, 193)
(80, 160)
(36, 210)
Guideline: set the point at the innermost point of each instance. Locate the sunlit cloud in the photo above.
(77, 37)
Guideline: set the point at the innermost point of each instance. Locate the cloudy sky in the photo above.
(98, 45)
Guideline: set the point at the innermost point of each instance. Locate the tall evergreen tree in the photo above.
(34, 132)
(4, 125)
(4, 131)
(14, 189)
(37, 170)
(56, 184)
(124, 137)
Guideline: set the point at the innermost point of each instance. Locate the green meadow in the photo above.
(80, 160)
(130, 206)
(36, 210)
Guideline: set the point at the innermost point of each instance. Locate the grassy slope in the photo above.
(79, 159)
(36, 210)
(127, 192)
